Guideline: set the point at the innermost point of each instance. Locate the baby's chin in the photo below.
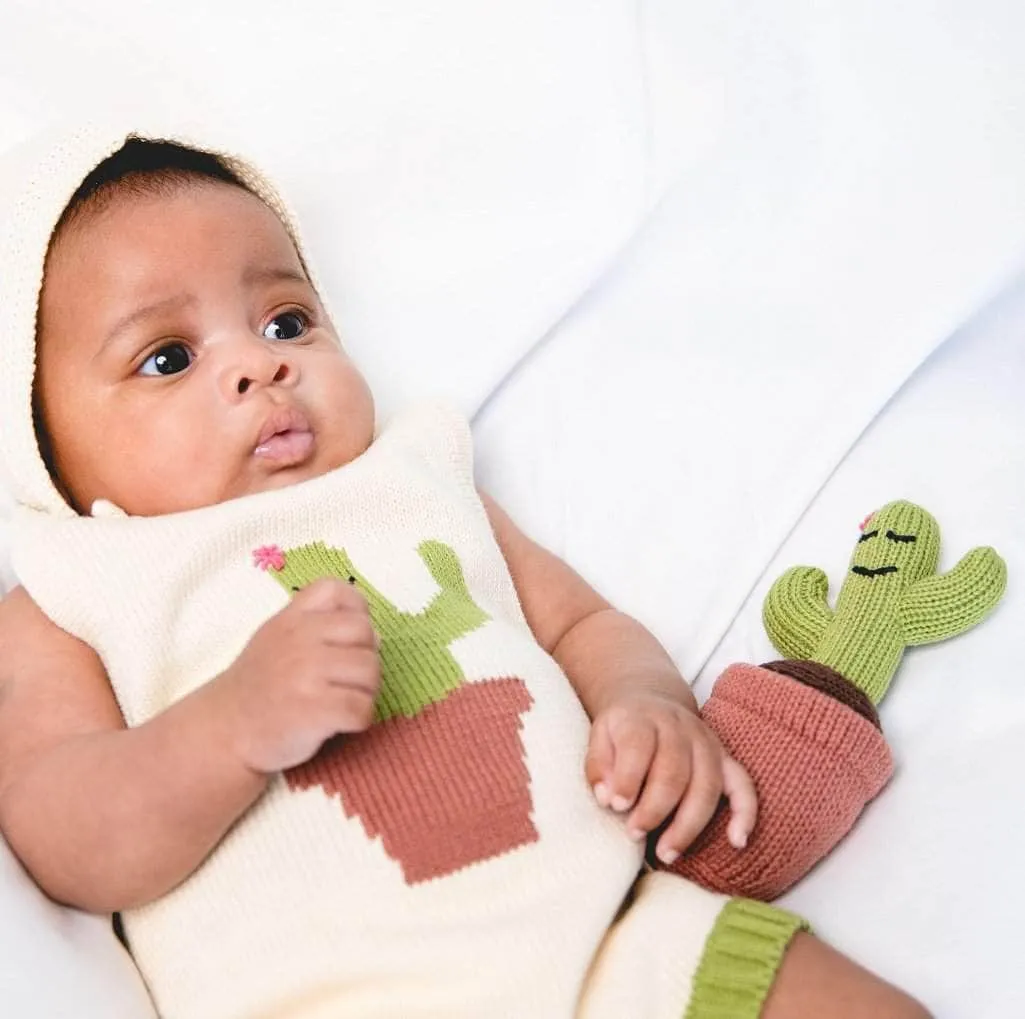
(289, 476)
(324, 462)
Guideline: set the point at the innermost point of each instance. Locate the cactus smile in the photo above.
(865, 571)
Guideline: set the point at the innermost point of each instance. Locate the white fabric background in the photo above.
(851, 195)
(927, 889)
(442, 157)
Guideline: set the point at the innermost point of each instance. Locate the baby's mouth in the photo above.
(286, 439)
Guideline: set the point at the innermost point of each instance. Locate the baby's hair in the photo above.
(143, 167)
(140, 167)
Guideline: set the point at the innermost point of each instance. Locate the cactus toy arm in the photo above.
(944, 605)
(796, 612)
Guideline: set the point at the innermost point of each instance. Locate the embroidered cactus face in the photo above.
(891, 598)
(900, 543)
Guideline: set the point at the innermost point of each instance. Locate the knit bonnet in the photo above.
(37, 180)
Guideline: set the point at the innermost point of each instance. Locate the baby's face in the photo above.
(184, 358)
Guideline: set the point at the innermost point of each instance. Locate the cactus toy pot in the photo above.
(812, 744)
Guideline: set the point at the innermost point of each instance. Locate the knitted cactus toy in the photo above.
(892, 598)
(806, 728)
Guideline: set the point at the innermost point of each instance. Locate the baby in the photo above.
(335, 736)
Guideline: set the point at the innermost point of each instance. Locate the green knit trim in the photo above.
(741, 959)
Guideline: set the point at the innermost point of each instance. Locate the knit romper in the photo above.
(449, 862)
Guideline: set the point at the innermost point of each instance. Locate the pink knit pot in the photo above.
(815, 762)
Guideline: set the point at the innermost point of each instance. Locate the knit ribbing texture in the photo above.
(741, 961)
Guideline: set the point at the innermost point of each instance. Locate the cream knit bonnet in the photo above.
(36, 182)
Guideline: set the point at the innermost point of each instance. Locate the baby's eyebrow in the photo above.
(254, 275)
(155, 310)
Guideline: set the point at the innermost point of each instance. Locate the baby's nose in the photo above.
(244, 382)
(253, 366)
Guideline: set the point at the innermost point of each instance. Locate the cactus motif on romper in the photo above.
(441, 776)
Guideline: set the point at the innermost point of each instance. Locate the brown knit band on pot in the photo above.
(828, 681)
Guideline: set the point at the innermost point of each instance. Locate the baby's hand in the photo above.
(652, 757)
(308, 673)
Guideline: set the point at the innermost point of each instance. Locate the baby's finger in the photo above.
(354, 668)
(635, 745)
(601, 755)
(697, 807)
(328, 594)
(740, 790)
(350, 709)
(664, 787)
(346, 629)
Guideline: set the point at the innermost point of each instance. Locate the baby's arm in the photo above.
(105, 817)
(650, 753)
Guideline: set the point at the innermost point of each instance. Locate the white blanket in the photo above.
(926, 889)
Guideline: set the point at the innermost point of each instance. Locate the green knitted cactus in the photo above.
(892, 598)
(417, 668)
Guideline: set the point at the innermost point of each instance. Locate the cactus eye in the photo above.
(867, 535)
(893, 536)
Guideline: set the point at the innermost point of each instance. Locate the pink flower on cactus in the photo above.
(269, 557)
(866, 521)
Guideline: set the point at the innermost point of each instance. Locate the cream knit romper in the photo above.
(450, 862)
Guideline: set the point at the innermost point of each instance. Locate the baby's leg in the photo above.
(679, 951)
(815, 980)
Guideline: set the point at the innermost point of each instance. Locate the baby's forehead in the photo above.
(134, 219)
(146, 194)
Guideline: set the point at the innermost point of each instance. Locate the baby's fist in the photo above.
(652, 757)
(308, 673)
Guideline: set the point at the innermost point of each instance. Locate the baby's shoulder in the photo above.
(31, 641)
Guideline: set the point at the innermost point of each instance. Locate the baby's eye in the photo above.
(289, 325)
(168, 360)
